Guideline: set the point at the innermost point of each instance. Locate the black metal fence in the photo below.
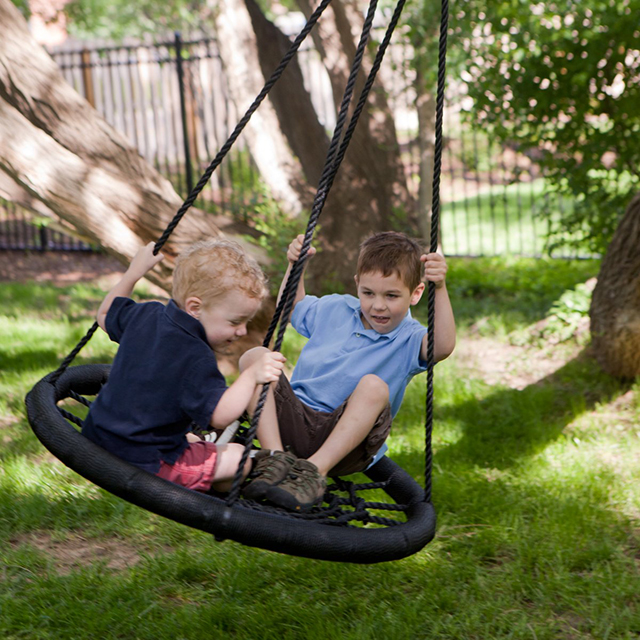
(170, 100)
(20, 229)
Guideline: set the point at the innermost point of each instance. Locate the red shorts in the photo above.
(194, 469)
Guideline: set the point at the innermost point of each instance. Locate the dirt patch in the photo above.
(517, 367)
(76, 551)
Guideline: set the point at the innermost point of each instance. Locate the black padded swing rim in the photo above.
(211, 514)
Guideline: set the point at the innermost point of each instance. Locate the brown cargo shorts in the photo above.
(305, 430)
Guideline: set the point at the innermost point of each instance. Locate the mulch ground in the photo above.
(57, 267)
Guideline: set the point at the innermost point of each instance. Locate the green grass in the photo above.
(535, 489)
(499, 220)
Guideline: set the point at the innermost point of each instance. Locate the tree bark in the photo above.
(60, 152)
(615, 305)
(370, 193)
(426, 109)
(279, 167)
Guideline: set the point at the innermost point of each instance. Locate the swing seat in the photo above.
(322, 534)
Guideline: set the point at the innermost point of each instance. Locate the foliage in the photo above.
(118, 19)
(561, 81)
(502, 295)
(569, 313)
(277, 230)
(23, 5)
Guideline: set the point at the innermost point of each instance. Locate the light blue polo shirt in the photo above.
(340, 351)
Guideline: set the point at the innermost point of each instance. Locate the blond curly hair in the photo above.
(210, 268)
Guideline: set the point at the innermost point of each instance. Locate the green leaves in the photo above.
(562, 79)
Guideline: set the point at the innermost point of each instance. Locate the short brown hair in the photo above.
(210, 268)
(391, 252)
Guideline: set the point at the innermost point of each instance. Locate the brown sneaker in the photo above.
(303, 488)
(270, 468)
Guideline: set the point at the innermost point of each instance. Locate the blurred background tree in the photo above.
(561, 81)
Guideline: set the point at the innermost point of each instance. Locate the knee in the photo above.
(374, 387)
(249, 357)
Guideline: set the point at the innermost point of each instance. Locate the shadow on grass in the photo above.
(29, 360)
(510, 425)
(507, 427)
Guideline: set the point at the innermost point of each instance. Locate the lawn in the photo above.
(500, 219)
(536, 482)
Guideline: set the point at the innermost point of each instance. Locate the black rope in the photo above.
(71, 417)
(334, 157)
(76, 350)
(226, 147)
(325, 185)
(435, 216)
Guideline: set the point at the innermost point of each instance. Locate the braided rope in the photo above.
(73, 353)
(224, 150)
(335, 155)
(435, 216)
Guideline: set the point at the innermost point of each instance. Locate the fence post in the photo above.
(87, 78)
(44, 237)
(183, 112)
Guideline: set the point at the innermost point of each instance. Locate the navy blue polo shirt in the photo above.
(164, 377)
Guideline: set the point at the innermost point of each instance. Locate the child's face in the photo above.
(225, 319)
(385, 300)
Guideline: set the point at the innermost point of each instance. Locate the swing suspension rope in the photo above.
(335, 154)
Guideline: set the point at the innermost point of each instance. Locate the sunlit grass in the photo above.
(500, 220)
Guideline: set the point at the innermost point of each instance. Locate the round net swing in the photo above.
(352, 524)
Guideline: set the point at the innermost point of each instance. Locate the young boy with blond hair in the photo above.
(334, 416)
(165, 377)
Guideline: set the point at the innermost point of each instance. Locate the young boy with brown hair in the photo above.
(165, 376)
(335, 414)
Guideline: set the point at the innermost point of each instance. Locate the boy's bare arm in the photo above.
(143, 262)
(236, 398)
(435, 270)
(293, 253)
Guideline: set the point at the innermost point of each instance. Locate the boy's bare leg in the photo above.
(366, 403)
(268, 428)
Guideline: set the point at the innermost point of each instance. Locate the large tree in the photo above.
(371, 188)
(286, 138)
(562, 81)
(615, 305)
(58, 154)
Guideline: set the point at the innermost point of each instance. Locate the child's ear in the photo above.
(192, 306)
(417, 293)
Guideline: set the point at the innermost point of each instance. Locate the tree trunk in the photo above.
(290, 99)
(59, 151)
(370, 188)
(240, 54)
(370, 193)
(615, 305)
(426, 109)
